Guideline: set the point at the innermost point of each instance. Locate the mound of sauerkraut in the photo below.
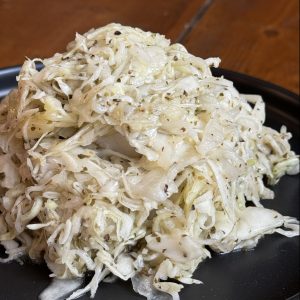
(124, 156)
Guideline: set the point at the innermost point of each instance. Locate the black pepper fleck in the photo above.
(166, 188)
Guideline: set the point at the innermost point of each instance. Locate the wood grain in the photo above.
(257, 37)
(36, 28)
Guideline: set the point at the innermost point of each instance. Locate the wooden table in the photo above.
(257, 37)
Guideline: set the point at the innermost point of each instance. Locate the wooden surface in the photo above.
(257, 37)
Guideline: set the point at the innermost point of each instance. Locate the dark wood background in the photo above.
(257, 37)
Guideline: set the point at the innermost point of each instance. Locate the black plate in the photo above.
(271, 271)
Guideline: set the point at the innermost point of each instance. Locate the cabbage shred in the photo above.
(125, 156)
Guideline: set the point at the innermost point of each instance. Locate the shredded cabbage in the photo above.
(124, 156)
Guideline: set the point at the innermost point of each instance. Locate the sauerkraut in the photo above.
(125, 157)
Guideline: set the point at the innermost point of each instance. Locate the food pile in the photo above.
(124, 156)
